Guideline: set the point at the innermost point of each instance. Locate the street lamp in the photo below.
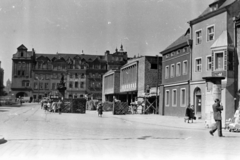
(38, 86)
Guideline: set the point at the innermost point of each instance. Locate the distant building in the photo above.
(133, 80)
(37, 75)
(1, 78)
(176, 69)
(8, 86)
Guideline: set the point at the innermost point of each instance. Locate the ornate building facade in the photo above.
(37, 75)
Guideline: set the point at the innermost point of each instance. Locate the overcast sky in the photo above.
(144, 27)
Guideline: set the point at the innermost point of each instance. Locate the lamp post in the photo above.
(38, 87)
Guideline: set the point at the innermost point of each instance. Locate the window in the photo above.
(40, 85)
(172, 54)
(183, 97)
(167, 97)
(76, 75)
(21, 54)
(210, 33)
(184, 49)
(209, 63)
(46, 85)
(174, 97)
(70, 85)
(71, 76)
(219, 61)
(166, 72)
(198, 37)
(53, 85)
(198, 65)
(82, 76)
(76, 84)
(178, 69)
(178, 51)
(153, 66)
(167, 55)
(35, 85)
(82, 85)
(172, 70)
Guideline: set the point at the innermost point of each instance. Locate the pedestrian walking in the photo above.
(217, 108)
(100, 109)
(54, 107)
(59, 105)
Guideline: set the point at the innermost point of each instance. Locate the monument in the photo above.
(61, 87)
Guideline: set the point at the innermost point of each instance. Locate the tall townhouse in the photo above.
(214, 58)
(138, 76)
(37, 75)
(176, 69)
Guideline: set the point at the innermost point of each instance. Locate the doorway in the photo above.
(198, 102)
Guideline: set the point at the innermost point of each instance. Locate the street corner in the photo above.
(2, 140)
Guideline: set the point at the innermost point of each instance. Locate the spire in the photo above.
(121, 48)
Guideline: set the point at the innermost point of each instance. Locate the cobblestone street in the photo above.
(28, 132)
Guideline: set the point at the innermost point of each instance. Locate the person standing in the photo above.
(59, 106)
(217, 108)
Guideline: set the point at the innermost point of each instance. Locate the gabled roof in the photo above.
(209, 13)
(22, 47)
(181, 40)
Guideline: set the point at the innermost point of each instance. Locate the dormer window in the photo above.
(214, 7)
(21, 54)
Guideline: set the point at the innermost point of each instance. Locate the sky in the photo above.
(144, 27)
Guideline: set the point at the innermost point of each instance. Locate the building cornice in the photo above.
(207, 16)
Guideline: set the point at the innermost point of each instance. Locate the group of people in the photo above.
(51, 106)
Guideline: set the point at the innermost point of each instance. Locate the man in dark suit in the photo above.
(217, 108)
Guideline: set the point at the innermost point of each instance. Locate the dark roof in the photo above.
(181, 40)
(207, 11)
(65, 56)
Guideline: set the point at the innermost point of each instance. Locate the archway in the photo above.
(21, 94)
(198, 102)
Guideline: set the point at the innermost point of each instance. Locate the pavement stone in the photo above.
(31, 133)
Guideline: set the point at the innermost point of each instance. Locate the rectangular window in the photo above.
(35, 85)
(210, 33)
(153, 66)
(76, 75)
(82, 85)
(76, 84)
(198, 65)
(166, 72)
(167, 98)
(185, 67)
(174, 97)
(219, 61)
(199, 37)
(209, 63)
(46, 85)
(172, 70)
(53, 85)
(70, 85)
(71, 76)
(178, 69)
(82, 76)
(183, 97)
(40, 85)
